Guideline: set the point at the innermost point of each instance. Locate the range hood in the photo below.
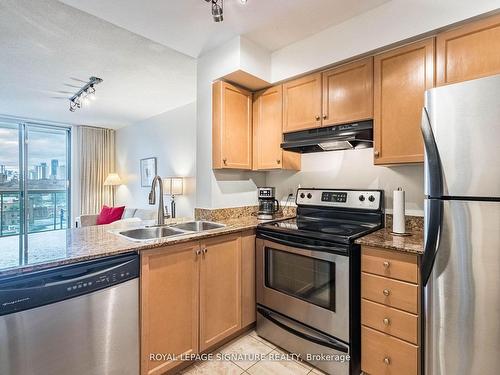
(332, 138)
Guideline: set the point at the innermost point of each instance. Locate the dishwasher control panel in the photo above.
(40, 288)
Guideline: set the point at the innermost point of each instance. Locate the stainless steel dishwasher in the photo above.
(80, 319)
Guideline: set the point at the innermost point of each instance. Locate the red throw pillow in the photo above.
(110, 214)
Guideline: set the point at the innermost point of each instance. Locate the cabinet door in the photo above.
(348, 93)
(220, 289)
(468, 52)
(268, 132)
(248, 278)
(401, 77)
(302, 103)
(169, 304)
(231, 127)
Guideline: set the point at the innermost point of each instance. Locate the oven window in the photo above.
(309, 279)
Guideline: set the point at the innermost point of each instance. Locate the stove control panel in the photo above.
(355, 199)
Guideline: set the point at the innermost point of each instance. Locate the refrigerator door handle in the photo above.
(434, 220)
(432, 160)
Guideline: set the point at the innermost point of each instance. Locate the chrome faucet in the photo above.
(152, 199)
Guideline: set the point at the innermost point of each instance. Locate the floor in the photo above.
(251, 345)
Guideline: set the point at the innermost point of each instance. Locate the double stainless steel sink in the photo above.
(157, 232)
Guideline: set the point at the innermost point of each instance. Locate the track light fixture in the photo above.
(217, 9)
(84, 95)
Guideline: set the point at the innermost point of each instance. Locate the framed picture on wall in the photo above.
(148, 171)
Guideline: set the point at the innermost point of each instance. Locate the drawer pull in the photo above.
(387, 321)
(386, 292)
(387, 264)
(387, 361)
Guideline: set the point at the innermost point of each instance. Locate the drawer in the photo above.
(394, 322)
(390, 264)
(394, 293)
(382, 354)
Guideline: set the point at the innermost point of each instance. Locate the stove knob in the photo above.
(362, 198)
(309, 196)
(371, 198)
(302, 195)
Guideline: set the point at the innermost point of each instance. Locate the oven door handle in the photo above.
(301, 245)
(328, 342)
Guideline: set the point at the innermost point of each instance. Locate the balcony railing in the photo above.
(46, 210)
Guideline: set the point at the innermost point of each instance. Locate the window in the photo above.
(34, 186)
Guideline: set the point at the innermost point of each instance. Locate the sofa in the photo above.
(129, 215)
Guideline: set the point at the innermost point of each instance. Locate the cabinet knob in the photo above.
(325, 117)
(278, 161)
(387, 321)
(318, 118)
(376, 153)
(205, 250)
(387, 361)
(386, 292)
(224, 161)
(198, 252)
(386, 264)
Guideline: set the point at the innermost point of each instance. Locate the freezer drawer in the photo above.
(462, 299)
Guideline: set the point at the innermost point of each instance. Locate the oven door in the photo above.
(310, 286)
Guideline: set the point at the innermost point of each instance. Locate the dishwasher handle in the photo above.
(40, 288)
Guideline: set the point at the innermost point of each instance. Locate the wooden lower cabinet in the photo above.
(390, 313)
(248, 303)
(194, 296)
(220, 289)
(169, 304)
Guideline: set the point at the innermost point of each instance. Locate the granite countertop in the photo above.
(384, 239)
(56, 248)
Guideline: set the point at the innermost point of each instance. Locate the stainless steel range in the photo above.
(308, 276)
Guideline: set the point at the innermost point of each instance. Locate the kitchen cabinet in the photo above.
(390, 312)
(248, 313)
(401, 77)
(268, 132)
(468, 52)
(348, 93)
(194, 296)
(169, 304)
(302, 103)
(231, 127)
(220, 289)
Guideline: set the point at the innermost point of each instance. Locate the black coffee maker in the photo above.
(268, 204)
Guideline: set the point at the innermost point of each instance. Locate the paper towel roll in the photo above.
(398, 211)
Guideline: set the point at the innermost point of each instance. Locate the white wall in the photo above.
(352, 169)
(171, 137)
(223, 188)
(389, 23)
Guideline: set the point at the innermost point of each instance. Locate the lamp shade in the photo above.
(112, 180)
(173, 185)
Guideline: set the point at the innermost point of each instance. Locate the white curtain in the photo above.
(96, 159)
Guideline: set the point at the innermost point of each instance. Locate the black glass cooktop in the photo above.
(339, 230)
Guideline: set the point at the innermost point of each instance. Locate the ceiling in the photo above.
(187, 26)
(49, 48)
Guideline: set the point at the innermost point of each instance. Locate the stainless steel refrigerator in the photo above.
(461, 261)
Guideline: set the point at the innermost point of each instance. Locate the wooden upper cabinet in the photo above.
(169, 277)
(268, 132)
(401, 77)
(231, 127)
(302, 103)
(348, 93)
(220, 289)
(468, 52)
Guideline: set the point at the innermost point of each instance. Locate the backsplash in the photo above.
(413, 223)
(217, 214)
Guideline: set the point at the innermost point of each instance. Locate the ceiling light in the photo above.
(217, 10)
(83, 95)
(243, 1)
